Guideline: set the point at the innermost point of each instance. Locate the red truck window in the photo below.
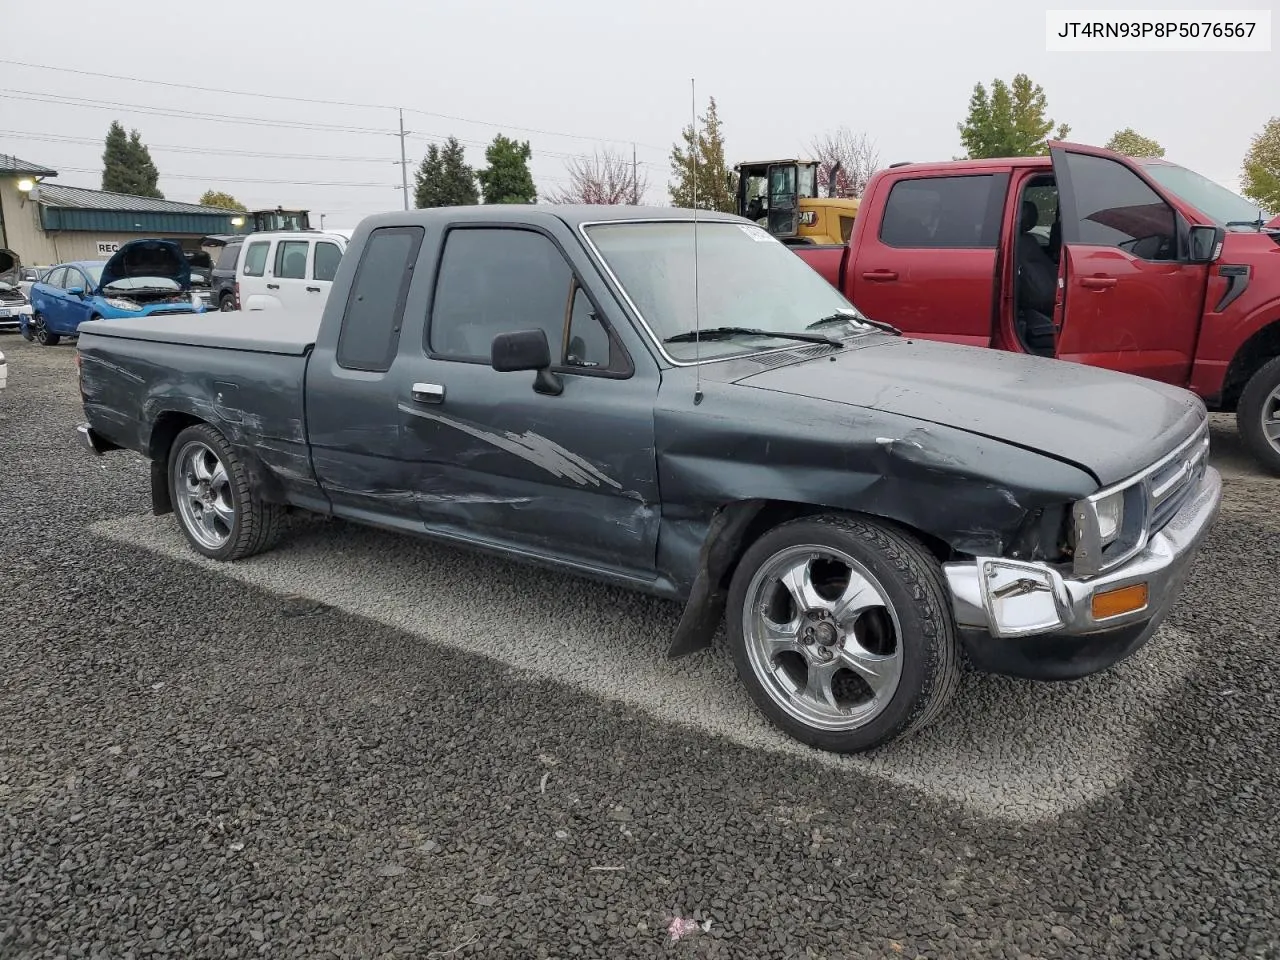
(941, 212)
(1114, 208)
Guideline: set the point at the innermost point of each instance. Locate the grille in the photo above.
(165, 312)
(1170, 486)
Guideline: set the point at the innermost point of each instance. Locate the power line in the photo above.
(221, 179)
(320, 102)
(176, 148)
(95, 104)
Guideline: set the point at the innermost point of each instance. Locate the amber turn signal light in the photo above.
(1113, 603)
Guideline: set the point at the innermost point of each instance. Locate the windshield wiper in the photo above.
(850, 318)
(728, 333)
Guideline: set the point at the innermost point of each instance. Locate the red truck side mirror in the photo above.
(1205, 243)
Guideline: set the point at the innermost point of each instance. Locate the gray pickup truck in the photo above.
(865, 510)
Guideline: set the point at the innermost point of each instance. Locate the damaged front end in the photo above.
(1086, 586)
(150, 277)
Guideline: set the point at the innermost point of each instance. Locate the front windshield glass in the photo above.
(95, 273)
(142, 283)
(746, 278)
(1208, 197)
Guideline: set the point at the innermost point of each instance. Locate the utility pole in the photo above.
(635, 178)
(404, 164)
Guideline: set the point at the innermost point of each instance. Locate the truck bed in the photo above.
(260, 331)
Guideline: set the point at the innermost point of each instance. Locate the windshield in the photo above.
(142, 283)
(95, 273)
(746, 278)
(1208, 197)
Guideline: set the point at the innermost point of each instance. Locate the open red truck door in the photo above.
(1134, 270)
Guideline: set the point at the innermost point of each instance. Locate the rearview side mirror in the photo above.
(526, 350)
(76, 291)
(1205, 243)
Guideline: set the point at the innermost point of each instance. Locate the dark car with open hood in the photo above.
(675, 403)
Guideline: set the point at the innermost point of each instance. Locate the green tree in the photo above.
(443, 178)
(127, 166)
(717, 184)
(1010, 122)
(1133, 144)
(507, 178)
(1261, 182)
(216, 198)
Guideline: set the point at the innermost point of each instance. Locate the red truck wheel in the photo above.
(1258, 416)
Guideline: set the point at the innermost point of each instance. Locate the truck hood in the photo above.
(10, 268)
(1109, 424)
(147, 258)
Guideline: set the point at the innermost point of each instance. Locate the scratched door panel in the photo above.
(572, 474)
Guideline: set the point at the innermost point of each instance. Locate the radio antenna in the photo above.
(697, 317)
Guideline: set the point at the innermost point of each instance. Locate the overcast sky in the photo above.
(576, 75)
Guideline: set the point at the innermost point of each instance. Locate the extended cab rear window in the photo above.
(942, 212)
(375, 306)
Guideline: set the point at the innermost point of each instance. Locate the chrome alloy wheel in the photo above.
(1271, 419)
(822, 637)
(203, 493)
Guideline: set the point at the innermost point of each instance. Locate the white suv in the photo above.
(286, 269)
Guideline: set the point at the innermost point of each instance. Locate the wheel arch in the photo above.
(165, 429)
(734, 527)
(1251, 356)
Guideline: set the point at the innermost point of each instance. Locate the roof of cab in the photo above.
(572, 214)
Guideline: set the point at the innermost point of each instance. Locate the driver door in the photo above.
(1129, 300)
(784, 200)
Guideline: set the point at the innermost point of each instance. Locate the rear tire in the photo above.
(1258, 416)
(866, 655)
(220, 513)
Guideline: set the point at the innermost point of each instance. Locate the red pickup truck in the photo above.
(1141, 266)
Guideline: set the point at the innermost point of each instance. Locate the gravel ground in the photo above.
(364, 746)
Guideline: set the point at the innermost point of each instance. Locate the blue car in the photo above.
(144, 278)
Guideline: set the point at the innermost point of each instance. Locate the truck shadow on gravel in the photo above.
(1009, 749)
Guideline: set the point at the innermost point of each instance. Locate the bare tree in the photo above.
(857, 156)
(604, 177)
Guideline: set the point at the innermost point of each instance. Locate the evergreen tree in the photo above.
(507, 178)
(444, 179)
(127, 166)
(1010, 122)
(717, 185)
(1133, 144)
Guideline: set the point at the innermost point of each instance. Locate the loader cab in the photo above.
(782, 196)
(769, 193)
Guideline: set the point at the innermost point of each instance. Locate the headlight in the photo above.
(120, 304)
(1110, 517)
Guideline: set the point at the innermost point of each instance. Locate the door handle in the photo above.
(879, 276)
(1097, 283)
(273, 286)
(428, 393)
(313, 289)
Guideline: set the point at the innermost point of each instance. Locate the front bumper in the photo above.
(1029, 620)
(11, 316)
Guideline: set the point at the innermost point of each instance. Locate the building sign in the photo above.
(106, 248)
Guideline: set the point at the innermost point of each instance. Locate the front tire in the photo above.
(1258, 416)
(842, 633)
(227, 304)
(42, 334)
(220, 513)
